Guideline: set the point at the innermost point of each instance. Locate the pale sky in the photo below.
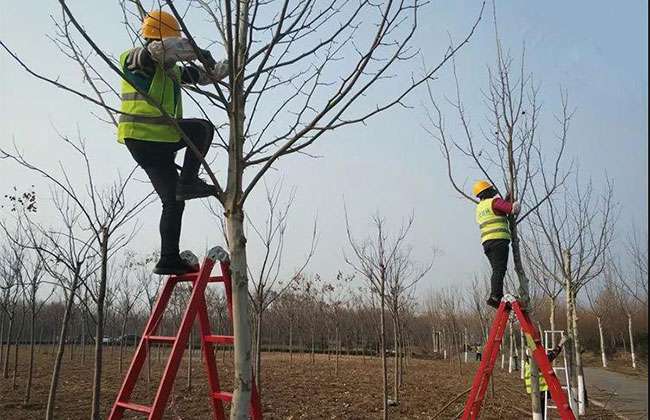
(594, 49)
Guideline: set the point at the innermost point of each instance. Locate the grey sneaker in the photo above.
(196, 188)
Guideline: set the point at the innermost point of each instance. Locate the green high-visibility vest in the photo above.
(142, 120)
(492, 225)
(529, 386)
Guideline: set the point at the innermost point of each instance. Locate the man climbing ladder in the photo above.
(491, 213)
(151, 138)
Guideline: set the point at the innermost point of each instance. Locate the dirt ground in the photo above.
(292, 390)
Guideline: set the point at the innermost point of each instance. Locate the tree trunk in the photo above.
(99, 328)
(551, 320)
(522, 360)
(313, 347)
(396, 359)
(384, 366)
(53, 341)
(17, 346)
(465, 344)
(5, 368)
(524, 294)
(456, 345)
(56, 371)
(511, 348)
(569, 349)
(291, 343)
(122, 331)
(83, 333)
(582, 389)
(190, 350)
(629, 330)
(2, 336)
(241, 323)
(444, 344)
(32, 338)
(336, 350)
(603, 356)
(70, 338)
(258, 351)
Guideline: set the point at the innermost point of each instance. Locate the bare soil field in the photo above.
(293, 390)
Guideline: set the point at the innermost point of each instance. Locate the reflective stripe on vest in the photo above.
(529, 385)
(492, 225)
(162, 120)
(141, 117)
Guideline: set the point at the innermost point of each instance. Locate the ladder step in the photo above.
(185, 277)
(223, 396)
(194, 276)
(135, 407)
(220, 339)
(160, 338)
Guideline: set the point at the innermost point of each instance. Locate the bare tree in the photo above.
(597, 309)
(399, 292)
(289, 51)
(636, 282)
(624, 300)
(264, 272)
(509, 149)
(10, 272)
(376, 259)
(128, 295)
(67, 256)
(480, 289)
(575, 233)
(106, 212)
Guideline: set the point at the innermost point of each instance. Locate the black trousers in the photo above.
(157, 160)
(497, 251)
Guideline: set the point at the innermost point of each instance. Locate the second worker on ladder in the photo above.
(491, 216)
(543, 388)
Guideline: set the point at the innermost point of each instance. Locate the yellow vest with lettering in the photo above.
(142, 120)
(492, 225)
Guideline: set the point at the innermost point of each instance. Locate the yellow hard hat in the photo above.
(480, 186)
(158, 25)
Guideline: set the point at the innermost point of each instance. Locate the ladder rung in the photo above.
(194, 276)
(160, 338)
(220, 339)
(185, 277)
(135, 407)
(223, 396)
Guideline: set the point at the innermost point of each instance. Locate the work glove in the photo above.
(207, 59)
(516, 207)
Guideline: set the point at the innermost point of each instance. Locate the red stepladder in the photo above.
(196, 308)
(534, 343)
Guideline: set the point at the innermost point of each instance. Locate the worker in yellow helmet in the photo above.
(151, 138)
(491, 216)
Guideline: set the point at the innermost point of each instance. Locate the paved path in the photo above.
(626, 395)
